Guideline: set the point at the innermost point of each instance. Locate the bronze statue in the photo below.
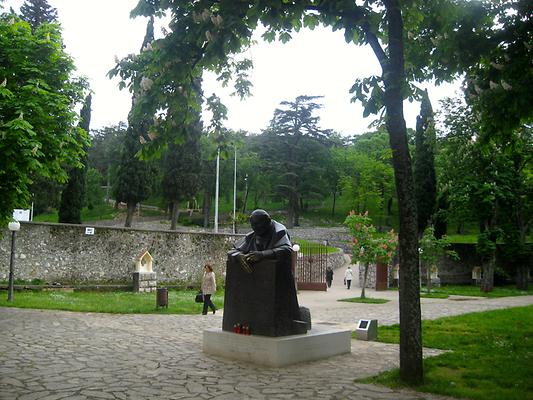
(269, 239)
(260, 287)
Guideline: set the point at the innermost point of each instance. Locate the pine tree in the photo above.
(72, 197)
(424, 166)
(37, 12)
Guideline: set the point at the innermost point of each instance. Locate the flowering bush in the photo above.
(431, 248)
(369, 246)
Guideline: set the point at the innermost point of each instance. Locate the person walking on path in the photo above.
(209, 287)
(329, 276)
(348, 276)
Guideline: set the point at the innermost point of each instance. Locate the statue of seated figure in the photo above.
(260, 290)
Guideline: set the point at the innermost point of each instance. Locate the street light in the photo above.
(245, 194)
(13, 226)
(216, 190)
(234, 188)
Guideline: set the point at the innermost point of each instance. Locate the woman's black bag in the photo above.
(199, 298)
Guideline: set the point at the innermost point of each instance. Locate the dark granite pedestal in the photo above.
(264, 300)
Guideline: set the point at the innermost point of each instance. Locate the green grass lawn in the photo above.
(443, 292)
(100, 212)
(499, 291)
(491, 355)
(179, 301)
(307, 245)
(433, 295)
(469, 238)
(366, 300)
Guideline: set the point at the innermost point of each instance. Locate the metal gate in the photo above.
(311, 264)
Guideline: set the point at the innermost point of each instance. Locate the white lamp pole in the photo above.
(13, 226)
(234, 188)
(216, 190)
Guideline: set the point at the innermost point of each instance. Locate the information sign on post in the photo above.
(367, 329)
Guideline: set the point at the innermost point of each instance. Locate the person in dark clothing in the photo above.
(329, 276)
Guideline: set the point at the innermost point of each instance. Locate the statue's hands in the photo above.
(243, 263)
(254, 256)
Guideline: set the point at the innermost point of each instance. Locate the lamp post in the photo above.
(245, 194)
(234, 188)
(216, 190)
(13, 226)
(294, 260)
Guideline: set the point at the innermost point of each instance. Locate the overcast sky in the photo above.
(313, 63)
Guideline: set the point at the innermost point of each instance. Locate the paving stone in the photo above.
(34, 395)
(103, 356)
(58, 396)
(11, 382)
(97, 394)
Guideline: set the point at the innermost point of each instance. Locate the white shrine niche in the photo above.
(144, 277)
(143, 263)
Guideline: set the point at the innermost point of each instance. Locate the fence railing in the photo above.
(311, 264)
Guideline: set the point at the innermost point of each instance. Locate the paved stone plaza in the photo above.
(65, 355)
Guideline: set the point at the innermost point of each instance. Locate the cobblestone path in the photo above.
(65, 355)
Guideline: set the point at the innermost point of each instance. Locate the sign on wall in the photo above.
(22, 215)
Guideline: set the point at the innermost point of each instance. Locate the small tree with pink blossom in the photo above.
(368, 245)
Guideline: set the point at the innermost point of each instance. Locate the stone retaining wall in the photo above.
(336, 260)
(371, 275)
(65, 254)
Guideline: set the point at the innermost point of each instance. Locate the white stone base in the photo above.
(320, 342)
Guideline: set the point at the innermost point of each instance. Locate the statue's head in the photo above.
(260, 221)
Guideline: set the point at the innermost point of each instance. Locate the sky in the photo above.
(316, 63)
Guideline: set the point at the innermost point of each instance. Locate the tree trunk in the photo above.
(333, 206)
(365, 276)
(297, 213)
(411, 363)
(290, 216)
(174, 215)
(129, 214)
(293, 204)
(207, 207)
(521, 276)
(428, 278)
(256, 199)
(245, 200)
(487, 283)
(291, 210)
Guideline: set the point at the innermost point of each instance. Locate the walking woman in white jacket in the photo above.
(348, 276)
(209, 287)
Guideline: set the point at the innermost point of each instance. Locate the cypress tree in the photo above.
(37, 12)
(181, 179)
(72, 197)
(424, 166)
(134, 176)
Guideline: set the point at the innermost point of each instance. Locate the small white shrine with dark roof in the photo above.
(144, 277)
